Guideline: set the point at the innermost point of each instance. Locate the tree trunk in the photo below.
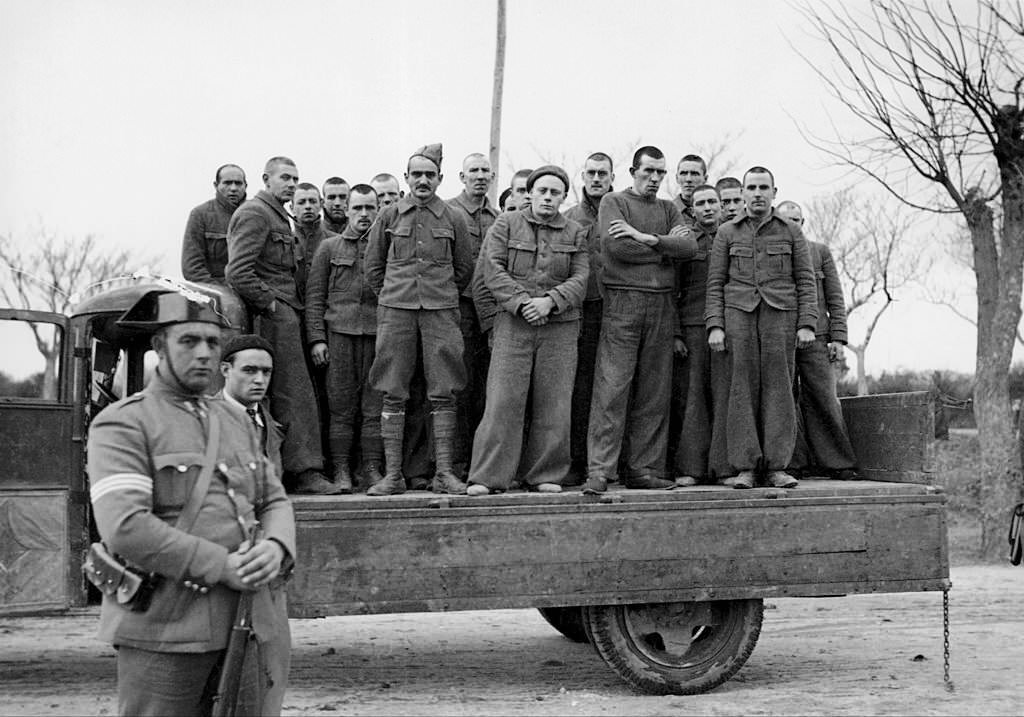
(862, 378)
(499, 88)
(50, 374)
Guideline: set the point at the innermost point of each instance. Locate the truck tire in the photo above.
(567, 620)
(681, 648)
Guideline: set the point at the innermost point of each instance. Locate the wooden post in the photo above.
(499, 82)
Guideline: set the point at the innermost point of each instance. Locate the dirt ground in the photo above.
(874, 654)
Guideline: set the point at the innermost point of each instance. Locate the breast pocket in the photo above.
(780, 259)
(342, 273)
(175, 474)
(522, 257)
(741, 262)
(440, 245)
(280, 250)
(561, 260)
(400, 245)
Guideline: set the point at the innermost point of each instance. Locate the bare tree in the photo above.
(717, 153)
(50, 274)
(496, 98)
(938, 93)
(868, 240)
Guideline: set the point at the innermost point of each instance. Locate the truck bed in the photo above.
(424, 552)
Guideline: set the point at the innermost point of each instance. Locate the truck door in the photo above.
(42, 498)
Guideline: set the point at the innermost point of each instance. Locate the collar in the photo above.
(225, 204)
(435, 205)
(466, 203)
(168, 389)
(642, 197)
(316, 228)
(271, 201)
(590, 203)
(556, 222)
(333, 226)
(353, 234)
(235, 402)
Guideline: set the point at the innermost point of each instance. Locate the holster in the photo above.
(131, 587)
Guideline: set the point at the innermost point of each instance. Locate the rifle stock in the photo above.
(225, 701)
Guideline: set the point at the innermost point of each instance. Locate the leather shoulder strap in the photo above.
(188, 515)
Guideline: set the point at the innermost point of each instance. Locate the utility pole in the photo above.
(499, 86)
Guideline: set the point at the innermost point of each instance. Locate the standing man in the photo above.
(341, 322)
(641, 237)
(263, 257)
(730, 190)
(336, 193)
(310, 231)
(246, 365)
(387, 188)
(823, 441)
(199, 548)
(519, 196)
(204, 251)
(691, 172)
(761, 307)
(476, 210)
(418, 262)
(598, 175)
(697, 374)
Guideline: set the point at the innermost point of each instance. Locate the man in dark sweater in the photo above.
(641, 236)
(262, 258)
(598, 175)
(760, 296)
(204, 251)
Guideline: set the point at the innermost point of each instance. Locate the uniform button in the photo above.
(252, 466)
(182, 468)
(204, 590)
(188, 583)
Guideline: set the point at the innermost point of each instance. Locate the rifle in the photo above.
(225, 702)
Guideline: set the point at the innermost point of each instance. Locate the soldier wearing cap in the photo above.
(264, 258)
(146, 457)
(204, 250)
(536, 267)
(418, 261)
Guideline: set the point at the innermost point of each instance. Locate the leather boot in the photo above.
(392, 431)
(340, 447)
(445, 480)
(371, 473)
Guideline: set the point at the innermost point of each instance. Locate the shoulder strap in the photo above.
(188, 514)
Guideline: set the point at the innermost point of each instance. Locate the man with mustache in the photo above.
(263, 256)
(204, 251)
(474, 206)
(761, 307)
(641, 237)
(341, 322)
(598, 175)
(418, 261)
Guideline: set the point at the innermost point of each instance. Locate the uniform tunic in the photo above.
(824, 441)
(637, 329)
(527, 257)
(341, 311)
(760, 291)
(263, 257)
(585, 214)
(418, 261)
(144, 456)
(204, 250)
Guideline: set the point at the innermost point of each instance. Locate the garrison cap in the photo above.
(243, 342)
(548, 169)
(431, 152)
(163, 307)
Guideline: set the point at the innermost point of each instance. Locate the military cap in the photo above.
(243, 342)
(431, 152)
(547, 169)
(162, 307)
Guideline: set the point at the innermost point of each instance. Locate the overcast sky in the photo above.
(116, 114)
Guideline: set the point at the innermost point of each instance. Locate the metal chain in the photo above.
(945, 641)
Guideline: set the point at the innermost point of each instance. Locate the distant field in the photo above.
(955, 468)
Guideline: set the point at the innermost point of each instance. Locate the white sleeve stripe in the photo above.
(121, 482)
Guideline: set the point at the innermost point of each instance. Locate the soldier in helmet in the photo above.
(177, 482)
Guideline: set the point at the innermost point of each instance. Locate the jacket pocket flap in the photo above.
(282, 237)
(745, 251)
(180, 462)
(400, 231)
(215, 235)
(779, 249)
(522, 245)
(565, 248)
(343, 261)
(442, 233)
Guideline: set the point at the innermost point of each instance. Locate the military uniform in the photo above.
(263, 258)
(341, 311)
(144, 456)
(585, 214)
(527, 257)
(476, 356)
(204, 250)
(823, 441)
(760, 291)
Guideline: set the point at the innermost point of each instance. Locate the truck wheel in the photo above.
(567, 620)
(680, 648)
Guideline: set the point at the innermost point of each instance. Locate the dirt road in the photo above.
(876, 654)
